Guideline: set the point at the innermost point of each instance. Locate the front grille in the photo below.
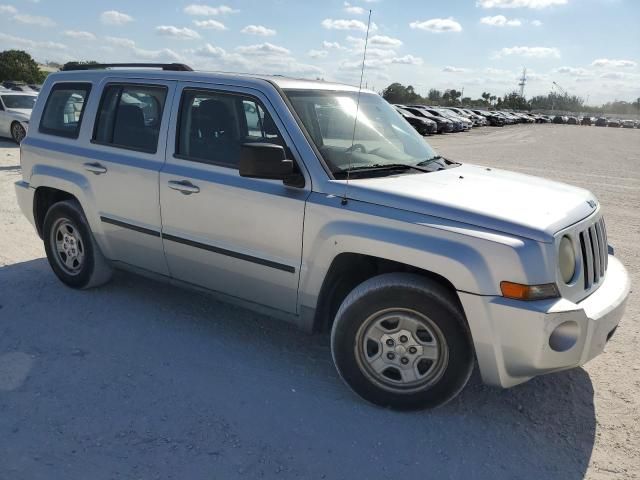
(595, 255)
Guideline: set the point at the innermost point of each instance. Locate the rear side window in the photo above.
(63, 111)
(129, 117)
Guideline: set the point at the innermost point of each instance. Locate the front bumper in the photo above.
(513, 339)
(24, 194)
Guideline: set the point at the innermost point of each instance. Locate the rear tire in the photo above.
(72, 251)
(400, 340)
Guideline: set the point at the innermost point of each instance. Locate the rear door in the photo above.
(239, 236)
(123, 164)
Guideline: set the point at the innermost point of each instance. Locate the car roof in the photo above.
(14, 92)
(246, 79)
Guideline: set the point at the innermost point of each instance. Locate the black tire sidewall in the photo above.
(65, 210)
(13, 125)
(448, 319)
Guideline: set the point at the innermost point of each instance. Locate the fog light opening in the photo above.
(564, 336)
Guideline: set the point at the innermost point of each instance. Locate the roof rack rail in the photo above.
(173, 67)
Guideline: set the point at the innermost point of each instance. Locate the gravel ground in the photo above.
(140, 380)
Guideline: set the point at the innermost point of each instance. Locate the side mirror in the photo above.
(264, 160)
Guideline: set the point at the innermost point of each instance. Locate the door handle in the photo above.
(95, 168)
(184, 186)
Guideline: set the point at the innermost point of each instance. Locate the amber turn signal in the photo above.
(529, 292)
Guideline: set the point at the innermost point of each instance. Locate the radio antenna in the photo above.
(355, 120)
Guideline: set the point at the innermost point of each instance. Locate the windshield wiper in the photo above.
(436, 158)
(378, 167)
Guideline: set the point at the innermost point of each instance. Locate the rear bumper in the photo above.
(24, 194)
(516, 340)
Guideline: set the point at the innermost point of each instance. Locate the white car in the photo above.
(15, 111)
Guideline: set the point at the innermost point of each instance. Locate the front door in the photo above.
(239, 236)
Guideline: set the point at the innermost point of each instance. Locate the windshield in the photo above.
(19, 101)
(382, 136)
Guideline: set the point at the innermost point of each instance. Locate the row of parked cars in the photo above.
(428, 120)
(597, 121)
(19, 86)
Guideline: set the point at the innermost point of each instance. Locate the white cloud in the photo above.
(498, 72)
(608, 62)
(210, 24)
(120, 42)
(574, 71)
(206, 10)
(353, 9)
(175, 32)
(162, 54)
(8, 9)
(79, 35)
(34, 20)
(384, 41)
(113, 17)
(451, 69)
(341, 24)
(500, 21)
(437, 25)
(9, 41)
(333, 45)
(263, 49)
(535, 4)
(317, 53)
(536, 23)
(209, 50)
(529, 52)
(258, 30)
(406, 60)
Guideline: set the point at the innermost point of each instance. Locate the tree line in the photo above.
(398, 93)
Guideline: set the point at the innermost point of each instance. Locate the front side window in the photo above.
(381, 137)
(130, 116)
(213, 126)
(25, 102)
(63, 111)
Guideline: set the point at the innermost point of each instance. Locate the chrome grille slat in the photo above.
(596, 254)
(601, 249)
(587, 259)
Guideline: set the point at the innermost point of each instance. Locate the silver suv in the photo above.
(314, 203)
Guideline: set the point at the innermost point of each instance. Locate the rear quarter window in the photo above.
(62, 114)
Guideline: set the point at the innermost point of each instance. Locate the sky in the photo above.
(590, 48)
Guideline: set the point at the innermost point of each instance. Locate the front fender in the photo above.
(474, 260)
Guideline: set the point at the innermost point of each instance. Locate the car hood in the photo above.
(500, 200)
(21, 113)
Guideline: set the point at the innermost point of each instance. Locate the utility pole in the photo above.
(523, 81)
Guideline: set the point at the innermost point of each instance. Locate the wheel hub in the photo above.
(401, 349)
(68, 247)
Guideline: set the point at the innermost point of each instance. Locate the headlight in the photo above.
(567, 259)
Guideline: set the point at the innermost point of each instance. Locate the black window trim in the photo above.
(117, 145)
(66, 85)
(215, 91)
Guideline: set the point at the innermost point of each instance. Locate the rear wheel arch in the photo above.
(44, 198)
(348, 270)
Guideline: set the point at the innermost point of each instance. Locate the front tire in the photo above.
(400, 340)
(73, 253)
(18, 132)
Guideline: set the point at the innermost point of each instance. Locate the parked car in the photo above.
(423, 126)
(628, 124)
(493, 119)
(466, 123)
(602, 122)
(272, 193)
(444, 125)
(457, 124)
(509, 120)
(559, 119)
(614, 122)
(15, 111)
(476, 120)
(572, 121)
(586, 120)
